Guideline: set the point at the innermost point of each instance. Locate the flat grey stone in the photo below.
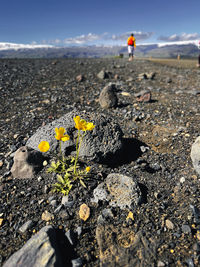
(41, 250)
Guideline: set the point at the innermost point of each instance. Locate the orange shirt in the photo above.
(131, 41)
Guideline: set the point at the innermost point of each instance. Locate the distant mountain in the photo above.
(164, 50)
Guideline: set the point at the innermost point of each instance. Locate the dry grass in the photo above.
(182, 63)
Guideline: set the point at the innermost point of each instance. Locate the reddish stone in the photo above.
(80, 78)
(143, 96)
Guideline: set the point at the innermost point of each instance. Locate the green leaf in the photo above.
(60, 179)
(67, 175)
(72, 160)
(53, 164)
(83, 183)
(71, 168)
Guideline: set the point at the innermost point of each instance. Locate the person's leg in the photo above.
(199, 60)
(129, 53)
(132, 53)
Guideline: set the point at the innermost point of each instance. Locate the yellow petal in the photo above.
(77, 120)
(80, 124)
(44, 146)
(87, 169)
(61, 131)
(65, 138)
(90, 126)
(57, 137)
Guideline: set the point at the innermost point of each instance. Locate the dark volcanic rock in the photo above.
(108, 97)
(40, 250)
(157, 142)
(99, 144)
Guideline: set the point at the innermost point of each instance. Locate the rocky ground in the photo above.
(165, 227)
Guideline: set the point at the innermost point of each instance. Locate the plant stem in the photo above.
(77, 152)
(60, 150)
(78, 146)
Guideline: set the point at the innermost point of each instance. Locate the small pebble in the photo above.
(169, 224)
(76, 262)
(160, 264)
(45, 163)
(53, 203)
(40, 179)
(1, 221)
(79, 230)
(182, 180)
(186, 229)
(40, 201)
(58, 209)
(26, 226)
(144, 149)
(65, 200)
(47, 216)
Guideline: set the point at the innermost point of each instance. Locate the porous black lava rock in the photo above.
(102, 142)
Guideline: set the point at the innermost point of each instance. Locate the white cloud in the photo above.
(52, 42)
(103, 38)
(82, 39)
(181, 37)
(138, 35)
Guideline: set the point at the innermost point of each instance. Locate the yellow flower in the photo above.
(90, 126)
(60, 134)
(81, 124)
(44, 146)
(87, 169)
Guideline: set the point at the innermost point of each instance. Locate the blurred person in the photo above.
(131, 46)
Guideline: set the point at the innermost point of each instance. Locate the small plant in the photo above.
(68, 169)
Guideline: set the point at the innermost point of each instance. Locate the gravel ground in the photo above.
(34, 92)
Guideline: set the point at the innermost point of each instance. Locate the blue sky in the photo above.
(88, 22)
